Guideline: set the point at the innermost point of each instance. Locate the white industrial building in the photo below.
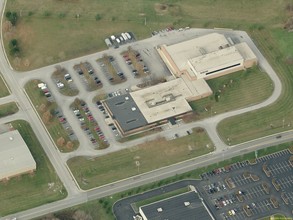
(15, 157)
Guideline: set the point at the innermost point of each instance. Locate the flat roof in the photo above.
(15, 157)
(182, 52)
(163, 100)
(217, 59)
(174, 208)
(199, 88)
(126, 112)
(245, 51)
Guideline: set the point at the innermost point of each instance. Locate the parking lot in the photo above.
(244, 191)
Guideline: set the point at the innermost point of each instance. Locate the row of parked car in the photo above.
(44, 88)
(65, 124)
(89, 124)
(88, 74)
(138, 58)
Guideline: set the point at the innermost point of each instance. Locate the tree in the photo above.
(12, 17)
(14, 48)
(13, 43)
(98, 17)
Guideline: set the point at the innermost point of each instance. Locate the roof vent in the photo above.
(133, 109)
(11, 138)
(167, 99)
(126, 98)
(159, 209)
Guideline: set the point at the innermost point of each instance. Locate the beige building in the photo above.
(168, 99)
(191, 62)
(15, 157)
(206, 57)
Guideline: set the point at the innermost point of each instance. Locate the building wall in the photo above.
(223, 73)
(18, 174)
(142, 214)
(168, 61)
(250, 63)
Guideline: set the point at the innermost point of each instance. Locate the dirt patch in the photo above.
(161, 8)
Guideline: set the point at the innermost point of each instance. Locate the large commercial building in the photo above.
(152, 106)
(15, 157)
(187, 206)
(207, 57)
(190, 62)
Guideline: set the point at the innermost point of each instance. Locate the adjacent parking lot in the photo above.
(253, 199)
(244, 191)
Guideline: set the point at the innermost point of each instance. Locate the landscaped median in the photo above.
(8, 109)
(31, 190)
(93, 172)
(274, 118)
(49, 112)
(3, 88)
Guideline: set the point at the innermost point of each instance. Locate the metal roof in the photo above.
(15, 157)
(175, 209)
(126, 112)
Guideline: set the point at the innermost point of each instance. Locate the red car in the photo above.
(62, 120)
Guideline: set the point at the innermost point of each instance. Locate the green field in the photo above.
(46, 110)
(28, 191)
(3, 89)
(67, 36)
(235, 91)
(8, 109)
(93, 172)
(277, 117)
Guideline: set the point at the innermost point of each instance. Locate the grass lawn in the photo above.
(45, 109)
(277, 117)
(234, 92)
(67, 36)
(93, 172)
(3, 89)
(28, 191)
(8, 109)
(277, 217)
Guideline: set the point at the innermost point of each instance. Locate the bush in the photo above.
(14, 48)
(98, 17)
(12, 17)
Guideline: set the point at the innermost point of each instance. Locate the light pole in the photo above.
(137, 163)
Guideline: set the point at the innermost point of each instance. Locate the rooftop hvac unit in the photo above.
(126, 98)
(186, 203)
(202, 51)
(133, 109)
(159, 209)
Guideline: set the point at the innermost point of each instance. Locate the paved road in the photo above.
(16, 82)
